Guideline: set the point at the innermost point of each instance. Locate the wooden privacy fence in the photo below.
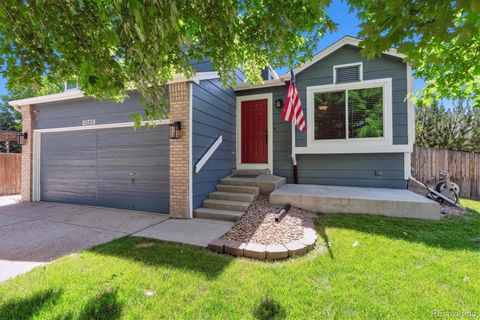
(463, 168)
(10, 171)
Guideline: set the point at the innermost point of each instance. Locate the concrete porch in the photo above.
(338, 199)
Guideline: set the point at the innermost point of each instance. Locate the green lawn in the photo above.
(400, 269)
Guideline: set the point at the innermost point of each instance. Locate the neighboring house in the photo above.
(360, 132)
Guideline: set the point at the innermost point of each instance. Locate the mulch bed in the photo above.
(258, 225)
(446, 209)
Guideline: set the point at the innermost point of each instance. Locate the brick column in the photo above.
(179, 151)
(28, 124)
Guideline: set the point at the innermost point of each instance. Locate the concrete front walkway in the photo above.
(197, 232)
(378, 201)
(32, 234)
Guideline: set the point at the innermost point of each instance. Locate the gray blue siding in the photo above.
(369, 170)
(321, 73)
(213, 115)
(72, 113)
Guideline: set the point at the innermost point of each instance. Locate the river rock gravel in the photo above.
(258, 225)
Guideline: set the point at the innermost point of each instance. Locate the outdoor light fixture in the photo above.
(175, 130)
(278, 103)
(21, 138)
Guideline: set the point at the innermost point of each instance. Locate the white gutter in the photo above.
(76, 94)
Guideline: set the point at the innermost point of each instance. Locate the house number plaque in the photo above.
(88, 122)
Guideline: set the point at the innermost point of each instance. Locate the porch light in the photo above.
(21, 138)
(175, 130)
(278, 103)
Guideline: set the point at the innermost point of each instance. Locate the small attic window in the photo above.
(348, 73)
(70, 85)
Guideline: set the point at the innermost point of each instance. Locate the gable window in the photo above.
(348, 73)
(349, 113)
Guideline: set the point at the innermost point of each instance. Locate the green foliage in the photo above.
(109, 46)
(365, 113)
(456, 129)
(441, 39)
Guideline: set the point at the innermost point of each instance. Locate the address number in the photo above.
(88, 122)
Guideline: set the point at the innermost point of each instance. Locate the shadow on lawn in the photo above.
(269, 309)
(170, 255)
(26, 308)
(103, 306)
(453, 233)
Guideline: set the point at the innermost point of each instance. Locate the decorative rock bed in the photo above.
(257, 235)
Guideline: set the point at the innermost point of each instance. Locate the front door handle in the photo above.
(266, 136)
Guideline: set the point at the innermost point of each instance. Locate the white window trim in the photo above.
(355, 145)
(37, 146)
(190, 148)
(360, 71)
(240, 99)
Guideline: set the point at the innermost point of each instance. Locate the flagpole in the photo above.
(294, 155)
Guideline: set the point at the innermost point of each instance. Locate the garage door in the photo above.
(118, 168)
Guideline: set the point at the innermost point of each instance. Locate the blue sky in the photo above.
(339, 12)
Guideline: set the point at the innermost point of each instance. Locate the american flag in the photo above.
(293, 111)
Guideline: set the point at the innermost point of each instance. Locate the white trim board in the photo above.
(357, 145)
(37, 146)
(190, 154)
(240, 99)
(264, 84)
(103, 126)
(77, 94)
(208, 154)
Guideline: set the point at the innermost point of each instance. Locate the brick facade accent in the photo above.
(179, 97)
(28, 124)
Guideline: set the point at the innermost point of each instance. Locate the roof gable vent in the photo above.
(348, 73)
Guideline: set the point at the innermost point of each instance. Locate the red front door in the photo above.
(254, 131)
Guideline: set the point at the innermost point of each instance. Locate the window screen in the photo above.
(365, 113)
(347, 74)
(329, 115)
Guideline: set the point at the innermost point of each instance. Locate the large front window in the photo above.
(349, 114)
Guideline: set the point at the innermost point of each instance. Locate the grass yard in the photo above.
(364, 267)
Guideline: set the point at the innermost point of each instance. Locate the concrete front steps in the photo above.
(266, 182)
(227, 203)
(235, 193)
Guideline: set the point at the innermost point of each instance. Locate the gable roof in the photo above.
(347, 40)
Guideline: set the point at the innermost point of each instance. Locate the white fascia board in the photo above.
(68, 95)
(334, 47)
(76, 94)
(264, 84)
(199, 76)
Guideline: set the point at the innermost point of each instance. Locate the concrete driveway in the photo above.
(32, 234)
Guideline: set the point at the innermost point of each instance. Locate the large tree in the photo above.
(456, 128)
(10, 119)
(109, 46)
(441, 39)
